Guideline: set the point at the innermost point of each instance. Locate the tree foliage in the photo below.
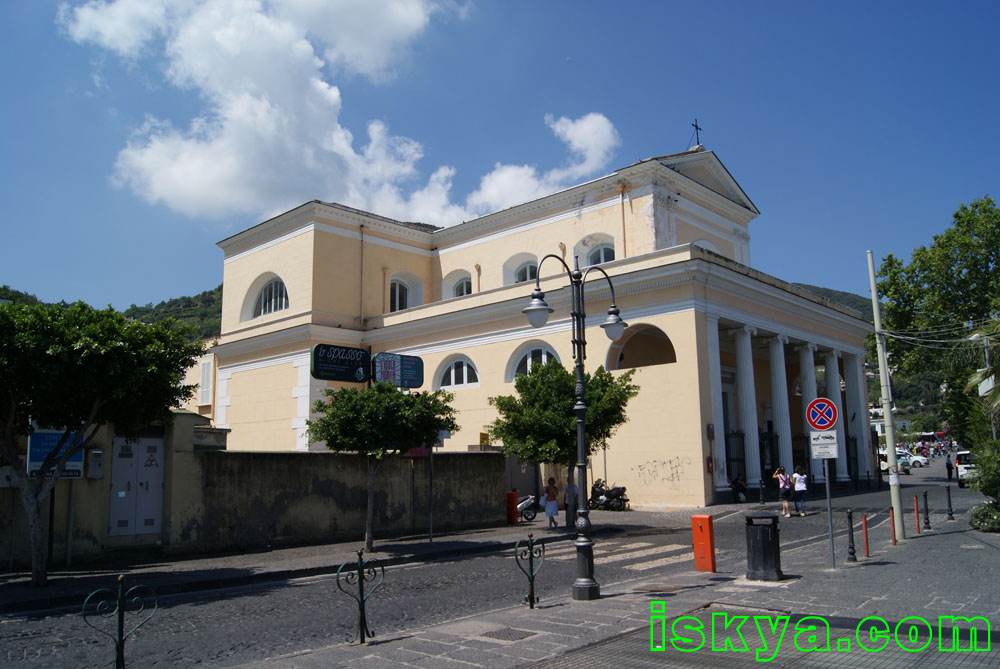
(953, 281)
(379, 421)
(74, 368)
(538, 424)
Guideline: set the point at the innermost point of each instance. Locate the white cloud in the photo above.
(269, 136)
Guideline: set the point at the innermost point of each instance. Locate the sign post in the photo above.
(821, 414)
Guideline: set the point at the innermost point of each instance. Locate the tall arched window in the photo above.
(538, 355)
(399, 295)
(458, 374)
(463, 287)
(272, 297)
(601, 254)
(526, 272)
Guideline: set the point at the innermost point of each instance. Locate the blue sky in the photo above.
(141, 132)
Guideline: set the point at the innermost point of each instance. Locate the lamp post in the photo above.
(585, 587)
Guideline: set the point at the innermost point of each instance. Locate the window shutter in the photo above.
(205, 384)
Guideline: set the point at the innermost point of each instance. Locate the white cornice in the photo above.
(530, 225)
(300, 334)
(303, 219)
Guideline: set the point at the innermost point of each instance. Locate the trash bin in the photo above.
(763, 551)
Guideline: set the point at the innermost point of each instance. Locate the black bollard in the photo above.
(868, 475)
(947, 489)
(762, 492)
(851, 554)
(927, 518)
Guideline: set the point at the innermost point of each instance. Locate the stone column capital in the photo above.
(748, 329)
(808, 346)
(780, 338)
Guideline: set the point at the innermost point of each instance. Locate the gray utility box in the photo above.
(763, 549)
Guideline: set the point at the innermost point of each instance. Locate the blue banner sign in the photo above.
(41, 443)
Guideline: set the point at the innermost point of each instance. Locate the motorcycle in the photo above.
(602, 497)
(527, 507)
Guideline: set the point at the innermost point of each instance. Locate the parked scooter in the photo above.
(602, 497)
(527, 507)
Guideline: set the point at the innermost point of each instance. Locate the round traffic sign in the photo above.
(821, 414)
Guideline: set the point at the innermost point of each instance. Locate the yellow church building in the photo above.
(726, 356)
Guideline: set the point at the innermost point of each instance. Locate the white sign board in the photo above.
(824, 445)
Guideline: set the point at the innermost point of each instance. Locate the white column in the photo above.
(832, 376)
(779, 400)
(746, 395)
(857, 409)
(807, 382)
(715, 385)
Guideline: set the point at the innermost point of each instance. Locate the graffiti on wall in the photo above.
(667, 473)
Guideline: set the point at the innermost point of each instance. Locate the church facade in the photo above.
(726, 356)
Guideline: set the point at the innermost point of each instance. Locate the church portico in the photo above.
(772, 377)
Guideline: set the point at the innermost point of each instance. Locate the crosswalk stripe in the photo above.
(662, 562)
(632, 555)
(569, 552)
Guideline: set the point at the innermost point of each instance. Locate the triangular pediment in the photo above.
(705, 168)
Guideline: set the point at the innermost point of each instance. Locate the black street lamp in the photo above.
(585, 587)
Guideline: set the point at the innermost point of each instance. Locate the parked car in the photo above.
(902, 463)
(918, 460)
(966, 466)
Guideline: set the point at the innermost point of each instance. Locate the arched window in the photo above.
(272, 297)
(399, 295)
(460, 373)
(539, 355)
(526, 272)
(463, 287)
(601, 254)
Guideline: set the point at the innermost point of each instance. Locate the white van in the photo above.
(966, 467)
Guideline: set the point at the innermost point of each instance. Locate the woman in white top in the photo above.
(799, 481)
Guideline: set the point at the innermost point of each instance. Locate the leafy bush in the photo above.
(986, 517)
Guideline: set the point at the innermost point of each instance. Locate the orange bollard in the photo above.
(916, 513)
(703, 536)
(864, 532)
(892, 524)
(511, 504)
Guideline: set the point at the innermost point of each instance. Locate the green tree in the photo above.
(75, 368)
(538, 424)
(376, 422)
(953, 281)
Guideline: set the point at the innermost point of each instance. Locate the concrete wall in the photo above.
(216, 500)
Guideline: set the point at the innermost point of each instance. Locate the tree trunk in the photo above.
(373, 464)
(32, 500)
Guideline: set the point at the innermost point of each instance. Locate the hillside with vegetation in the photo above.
(202, 312)
(856, 302)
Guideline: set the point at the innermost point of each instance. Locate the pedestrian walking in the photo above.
(799, 482)
(948, 466)
(551, 502)
(784, 489)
